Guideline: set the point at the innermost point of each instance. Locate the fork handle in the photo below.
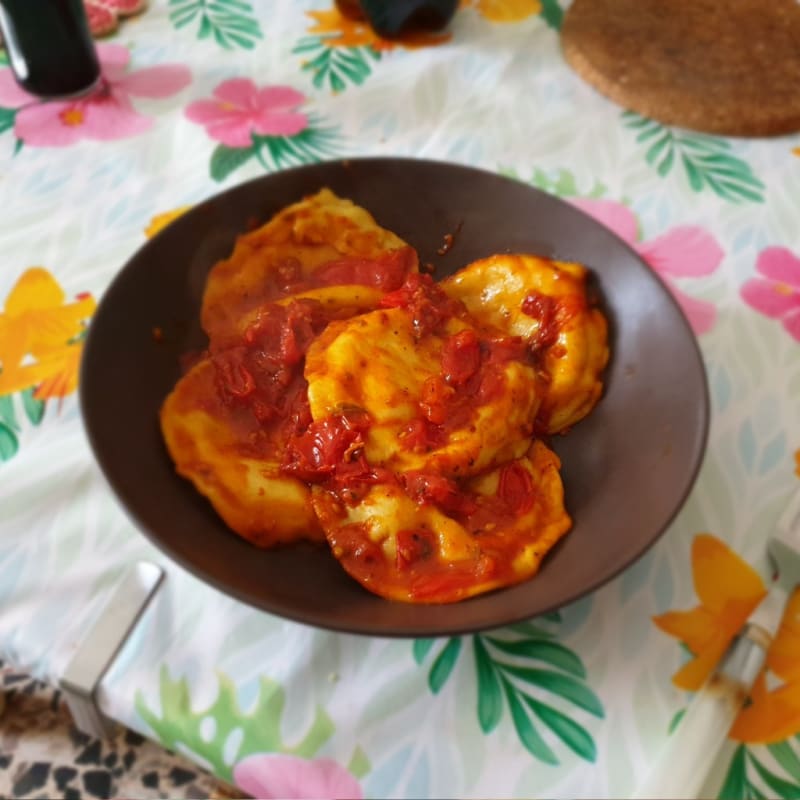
(684, 764)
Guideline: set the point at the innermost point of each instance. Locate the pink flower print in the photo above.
(12, 95)
(685, 251)
(240, 109)
(777, 294)
(269, 777)
(105, 114)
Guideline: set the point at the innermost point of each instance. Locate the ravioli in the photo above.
(223, 453)
(452, 542)
(545, 302)
(323, 240)
(376, 363)
(321, 259)
(346, 398)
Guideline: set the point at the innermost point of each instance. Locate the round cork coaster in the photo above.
(729, 68)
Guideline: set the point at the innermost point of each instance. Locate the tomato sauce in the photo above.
(388, 272)
(259, 381)
(553, 313)
(417, 571)
(472, 363)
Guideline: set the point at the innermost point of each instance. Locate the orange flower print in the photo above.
(338, 30)
(41, 336)
(160, 221)
(504, 10)
(729, 590)
(797, 463)
(774, 715)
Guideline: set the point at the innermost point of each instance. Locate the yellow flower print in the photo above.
(160, 221)
(729, 590)
(504, 10)
(39, 336)
(341, 31)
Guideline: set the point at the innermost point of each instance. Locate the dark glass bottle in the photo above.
(392, 18)
(49, 46)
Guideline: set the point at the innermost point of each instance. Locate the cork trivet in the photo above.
(728, 67)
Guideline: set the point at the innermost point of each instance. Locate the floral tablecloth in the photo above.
(201, 94)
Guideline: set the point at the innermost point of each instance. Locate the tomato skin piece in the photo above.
(413, 546)
(553, 314)
(437, 587)
(434, 400)
(427, 303)
(233, 377)
(507, 348)
(422, 436)
(461, 357)
(324, 446)
(431, 487)
(259, 376)
(388, 272)
(543, 308)
(516, 489)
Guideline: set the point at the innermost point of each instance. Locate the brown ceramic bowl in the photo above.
(627, 468)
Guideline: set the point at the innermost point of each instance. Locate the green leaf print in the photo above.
(443, 665)
(9, 421)
(733, 787)
(504, 668)
(573, 735)
(310, 145)
(552, 13)
(7, 117)
(8, 442)
(277, 152)
(562, 685)
(675, 721)
(259, 731)
(551, 616)
(561, 183)
(706, 160)
(530, 629)
(528, 735)
(225, 160)
(34, 408)
(336, 66)
(421, 649)
(743, 784)
(230, 23)
(551, 652)
(7, 413)
(777, 785)
(490, 699)
(3, 57)
(359, 765)
(782, 752)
